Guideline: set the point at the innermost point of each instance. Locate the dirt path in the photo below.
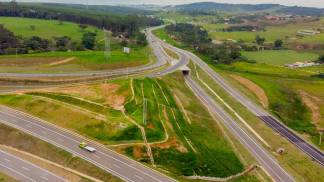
(258, 91)
(310, 102)
(62, 61)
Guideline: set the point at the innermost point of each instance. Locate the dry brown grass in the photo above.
(258, 91)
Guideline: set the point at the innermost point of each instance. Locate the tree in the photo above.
(89, 40)
(320, 59)
(32, 27)
(83, 27)
(13, 8)
(141, 39)
(259, 40)
(278, 43)
(62, 43)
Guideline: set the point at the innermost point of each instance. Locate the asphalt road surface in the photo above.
(265, 116)
(25, 171)
(114, 163)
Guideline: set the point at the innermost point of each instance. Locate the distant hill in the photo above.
(211, 6)
(224, 7)
(102, 9)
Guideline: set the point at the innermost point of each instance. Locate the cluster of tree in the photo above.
(260, 44)
(198, 38)
(320, 59)
(248, 28)
(188, 33)
(128, 25)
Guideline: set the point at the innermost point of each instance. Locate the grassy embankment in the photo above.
(60, 62)
(178, 131)
(281, 86)
(46, 28)
(24, 142)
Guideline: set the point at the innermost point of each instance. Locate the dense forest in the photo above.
(198, 39)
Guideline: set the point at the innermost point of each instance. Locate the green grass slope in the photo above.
(45, 28)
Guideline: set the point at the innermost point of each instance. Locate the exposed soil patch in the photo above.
(172, 143)
(64, 61)
(310, 102)
(258, 91)
(28, 62)
(112, 99)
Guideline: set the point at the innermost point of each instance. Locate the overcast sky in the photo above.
(310, 3)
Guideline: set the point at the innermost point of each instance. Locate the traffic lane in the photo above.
(109, 160)
(304, 146)
(25, 171)
(315, 154)
(265, 159)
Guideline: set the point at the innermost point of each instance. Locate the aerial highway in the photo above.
(118, 165)
(265, 116)
(114, 163)
(25, 171)
(269, 164)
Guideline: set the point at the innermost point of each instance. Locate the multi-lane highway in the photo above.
(270, 120)
(25, 171)
(108, 160)
(116, 164)
(265, 159)
(269, 164)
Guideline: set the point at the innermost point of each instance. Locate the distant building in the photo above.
(301, 64)
(126, 50)
(308, 32)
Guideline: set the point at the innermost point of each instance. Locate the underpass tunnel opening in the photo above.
(185, 71)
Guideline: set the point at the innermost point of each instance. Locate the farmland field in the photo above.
(46, 28)
(279, 57)
(285, 32)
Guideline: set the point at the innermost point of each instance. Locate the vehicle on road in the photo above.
(84, 145)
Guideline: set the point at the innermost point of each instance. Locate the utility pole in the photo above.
(144, 111)
(107, 44)
(320, 139)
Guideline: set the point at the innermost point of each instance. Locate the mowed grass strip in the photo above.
(279, 57)
(46, 28)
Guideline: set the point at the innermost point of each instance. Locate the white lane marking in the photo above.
(35, 122)
(31, 164)
(17, 172)
(43, 177)
(6, 159)
(28, 126)
(25, 168)
(96, 156)
(140, 178)
(117, 166)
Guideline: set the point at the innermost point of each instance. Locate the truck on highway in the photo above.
(85, 146)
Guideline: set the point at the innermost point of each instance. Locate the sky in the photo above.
(308, 3)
